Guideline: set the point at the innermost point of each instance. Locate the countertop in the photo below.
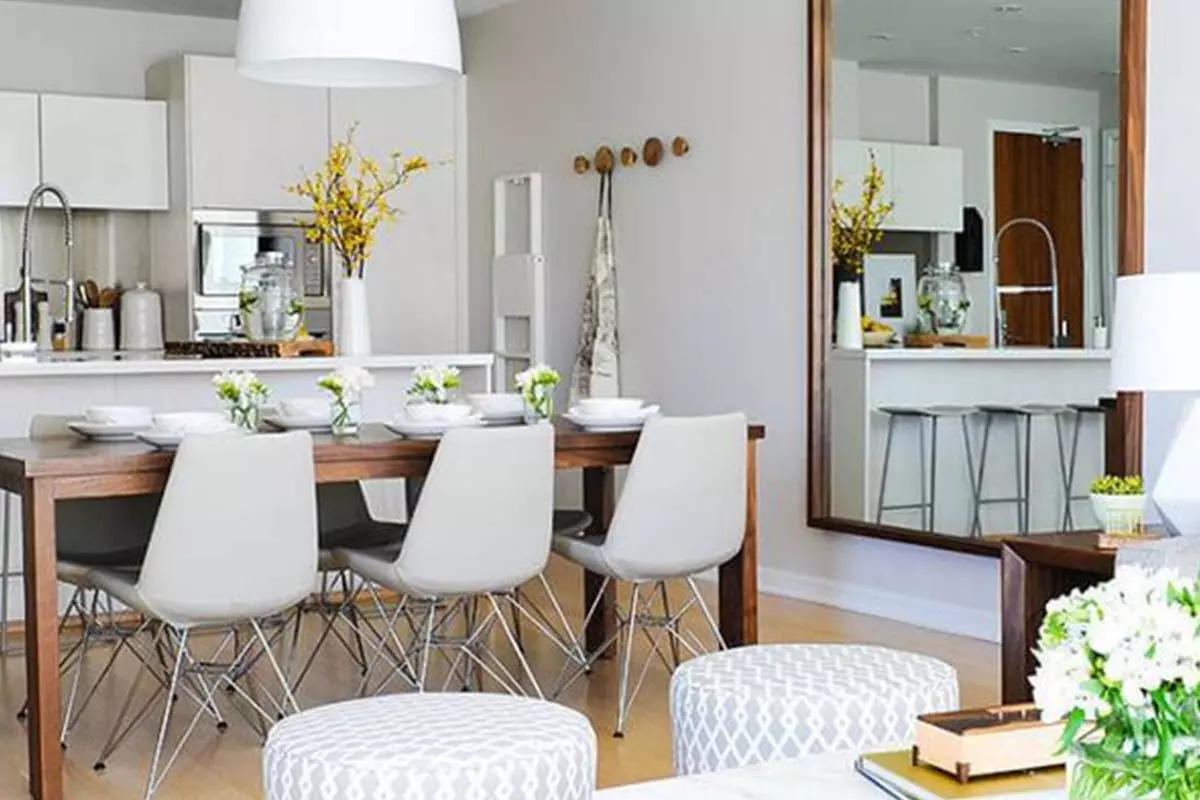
(967, 354)
(155, 364)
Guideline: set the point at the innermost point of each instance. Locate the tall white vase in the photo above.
(849, 316)
(352, 330)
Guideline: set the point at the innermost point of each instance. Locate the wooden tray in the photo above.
(989, 741)
(933, 340)
(318, 348)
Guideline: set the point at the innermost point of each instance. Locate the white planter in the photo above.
(849, 317)
(1119, 513)
(352, 327)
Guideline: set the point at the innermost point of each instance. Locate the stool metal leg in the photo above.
(977, 526)
(933, 454)
(1028, 472)
(887, 458)
(1065, 475)
(924, 477)
(966, 434)
(1017, 472)
(1068, 515)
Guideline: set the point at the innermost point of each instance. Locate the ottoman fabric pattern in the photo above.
(772, 703)
(432, 747)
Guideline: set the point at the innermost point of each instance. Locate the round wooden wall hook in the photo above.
(582, 165)
(681, 147)
(629, 156)
(605, 160)
(652, 151)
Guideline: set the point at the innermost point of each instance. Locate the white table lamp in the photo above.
(1155, 349)
(349, 43)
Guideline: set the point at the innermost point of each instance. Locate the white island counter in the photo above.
(863, 381)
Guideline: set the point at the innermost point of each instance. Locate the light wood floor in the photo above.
(226, 766)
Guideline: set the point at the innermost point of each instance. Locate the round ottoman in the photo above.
(435, 746)
(777, 702)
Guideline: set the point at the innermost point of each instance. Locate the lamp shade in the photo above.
(349, 43)
(1155, 338)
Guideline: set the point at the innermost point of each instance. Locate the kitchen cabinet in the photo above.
(106, 153)
(248, 139)
(20, 148)
(416, 274)
(924, 182)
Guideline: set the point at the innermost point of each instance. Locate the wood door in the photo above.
(1041, 181)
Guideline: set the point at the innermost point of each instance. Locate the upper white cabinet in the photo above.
(248, 139)
(19, 147)
(415, 274)
(925, 183)
(106, 153)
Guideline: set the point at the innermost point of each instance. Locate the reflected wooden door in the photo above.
(1044, 181)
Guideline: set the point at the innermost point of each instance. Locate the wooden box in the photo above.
(318, 348)
(991, 741)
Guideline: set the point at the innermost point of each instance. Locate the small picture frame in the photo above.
(890, 290)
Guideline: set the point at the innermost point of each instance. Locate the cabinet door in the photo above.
(415, 274)
(19, 147)
(851, 162)
(250, 139)
(106, 153)
(927, 188)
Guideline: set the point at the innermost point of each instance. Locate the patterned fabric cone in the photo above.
(597, 365)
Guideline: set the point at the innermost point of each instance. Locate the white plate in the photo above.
(100, 432)
(435, 429)
(169, 440)
(316, 424)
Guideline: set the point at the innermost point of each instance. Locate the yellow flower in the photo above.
(857, 228)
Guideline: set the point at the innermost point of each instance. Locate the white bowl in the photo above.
(119, 415)
(498, 406)
(305, 408)
(609, 406)
(192, 422)
(436, 412)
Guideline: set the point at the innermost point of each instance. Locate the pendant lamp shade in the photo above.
(349, 43)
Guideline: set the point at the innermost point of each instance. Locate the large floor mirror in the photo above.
(976, 173)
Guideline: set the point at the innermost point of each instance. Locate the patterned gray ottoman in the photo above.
(778, 702)
(432, 747)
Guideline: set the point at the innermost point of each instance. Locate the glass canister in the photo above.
(269, 306)
(943, 299)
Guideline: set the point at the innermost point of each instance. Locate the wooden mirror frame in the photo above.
(1124, 454)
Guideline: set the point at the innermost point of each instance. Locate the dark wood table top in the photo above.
(1073, 551)
(68, 457)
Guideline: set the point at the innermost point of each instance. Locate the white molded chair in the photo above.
(682, 512)
(481, 528)
(235, 541)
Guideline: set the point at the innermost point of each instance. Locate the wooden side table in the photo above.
(1034, 570)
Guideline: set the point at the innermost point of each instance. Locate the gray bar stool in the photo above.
(1018, 414)
(922, 414)
(1080, 412)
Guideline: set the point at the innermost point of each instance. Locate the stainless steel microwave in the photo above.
(227, 241)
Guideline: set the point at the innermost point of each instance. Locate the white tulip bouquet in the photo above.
(536, 386)
(1120, 662)
(243, 395)
(345, 386)
(435, 384)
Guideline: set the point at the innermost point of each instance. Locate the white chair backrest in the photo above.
(683, 506)
(484, 520)
(236, 536)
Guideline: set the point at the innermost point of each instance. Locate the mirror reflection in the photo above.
(974, 213)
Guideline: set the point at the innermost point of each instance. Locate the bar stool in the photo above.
(1017, 414)
(1079, 411)
(922, 414)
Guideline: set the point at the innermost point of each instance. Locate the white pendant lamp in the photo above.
(349, 43)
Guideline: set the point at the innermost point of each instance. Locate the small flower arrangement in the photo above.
(1119, 503)
(1119, 486)
(859, 227)
(345, 387)
(243, 394)
(435, 384)
(536, 386)
(1120, 663)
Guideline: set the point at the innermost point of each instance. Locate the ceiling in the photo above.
(1057, 42)
(226, 9)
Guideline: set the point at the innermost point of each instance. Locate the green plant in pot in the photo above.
(1119, 503)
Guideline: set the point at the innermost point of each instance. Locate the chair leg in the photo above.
(673, 641)
(511, 635)
(168, 708)
(279, 674)
(626, 658)
(977, 523)
(708, 617)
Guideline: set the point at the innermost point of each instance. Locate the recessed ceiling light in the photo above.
(975, 33)
(1008, 8)
(882, 36)
(1016, 50)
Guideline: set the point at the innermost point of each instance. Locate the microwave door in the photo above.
(227, 249)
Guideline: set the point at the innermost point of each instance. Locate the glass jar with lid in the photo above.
(269, 307)
(943, 300)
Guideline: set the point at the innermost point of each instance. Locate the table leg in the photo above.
(739, 577)
(41, 642)
(1016, 644)
(599, 499)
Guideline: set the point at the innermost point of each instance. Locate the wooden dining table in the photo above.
(44, 472)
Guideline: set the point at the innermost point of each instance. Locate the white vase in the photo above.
(849, 316)
(352, 328)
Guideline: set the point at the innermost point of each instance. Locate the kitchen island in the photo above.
(60, 386)
(864, 381)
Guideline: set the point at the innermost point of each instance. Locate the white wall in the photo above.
(845, 99)
(710, 249)
(75, 50)
(893, 107)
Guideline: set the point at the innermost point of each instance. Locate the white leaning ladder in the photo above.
(518, 285)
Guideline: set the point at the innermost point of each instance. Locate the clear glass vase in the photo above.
(246, 415)
(344, 416)
(943, 300)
